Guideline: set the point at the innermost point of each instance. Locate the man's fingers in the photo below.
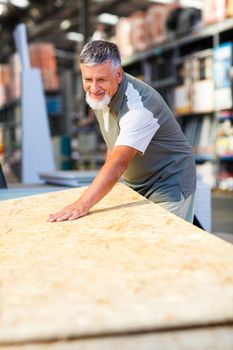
(75, 216)
(63, 216)
(52, 218)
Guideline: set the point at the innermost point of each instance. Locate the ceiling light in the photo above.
(3, 9)
(192, 3)
(163, 1)
(58, 3)
(20, 3)
(186, 3)
(65, 24)
(75, 36)
(107, 18)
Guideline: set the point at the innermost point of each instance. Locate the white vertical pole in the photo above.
(37, 152)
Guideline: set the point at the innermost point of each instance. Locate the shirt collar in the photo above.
(117, 100)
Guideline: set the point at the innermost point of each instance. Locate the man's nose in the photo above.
(94, 86)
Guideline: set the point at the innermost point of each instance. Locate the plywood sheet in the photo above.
(128, 266)
(220, 338)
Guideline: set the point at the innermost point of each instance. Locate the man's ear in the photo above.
(119, 74)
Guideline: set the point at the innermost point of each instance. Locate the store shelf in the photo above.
(167, 82)
(162, 66)
(226, 158)
(6, 107)
(194, 114)
(200, 158)
(174, 42)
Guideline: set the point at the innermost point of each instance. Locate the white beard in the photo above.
(96, 105)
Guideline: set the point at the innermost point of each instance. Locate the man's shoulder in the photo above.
(142, 87)
(150, 97)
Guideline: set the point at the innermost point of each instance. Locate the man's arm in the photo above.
(107, 156)
(115, 165)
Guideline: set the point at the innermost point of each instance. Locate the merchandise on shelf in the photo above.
(62, 152)
(143, 29)
(54, 105)
(225, 176)
(182, 20)
(203, 65)
(201, 133)
(205, 146)
(139, 31)
(15, 76)
(203, 84)
(203, 88)
(42, 55)
(1, 144)
(225, 115)
(156, 23)
(123, 37)
(213, 11)
(4, 83)
(222, 56)
(183, 99)
(195, 79)
(87, 140)
(224, 142)
(183, 91)
(229, 8)
(207, 171)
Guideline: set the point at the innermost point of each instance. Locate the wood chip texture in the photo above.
(129, 266)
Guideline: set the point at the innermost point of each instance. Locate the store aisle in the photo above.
(222, 216)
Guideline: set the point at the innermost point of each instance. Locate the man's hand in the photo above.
(71, 212)
(116, 163)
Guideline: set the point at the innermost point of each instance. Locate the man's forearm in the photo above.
(103, 183)
(115, 165)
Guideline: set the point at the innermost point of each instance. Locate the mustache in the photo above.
(95, 93)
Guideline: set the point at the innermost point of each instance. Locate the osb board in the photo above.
(220, 338)
(128, 266)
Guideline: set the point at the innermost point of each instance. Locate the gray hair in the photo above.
(99, 51)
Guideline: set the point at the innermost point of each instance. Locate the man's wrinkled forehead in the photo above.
(98, 68)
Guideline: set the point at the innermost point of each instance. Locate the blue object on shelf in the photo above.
(54, 105)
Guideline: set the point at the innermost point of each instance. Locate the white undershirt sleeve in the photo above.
(137, 127)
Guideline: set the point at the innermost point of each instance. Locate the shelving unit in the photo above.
(161, 67)
(10, 123)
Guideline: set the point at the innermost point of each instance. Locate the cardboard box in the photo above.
(123, 37)
(155, 23)
(213, 11)
(203, 96)
(139, 37)
(182, 99)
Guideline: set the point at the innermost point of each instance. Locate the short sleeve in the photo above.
(137, 127)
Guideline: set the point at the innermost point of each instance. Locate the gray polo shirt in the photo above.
(137, 116)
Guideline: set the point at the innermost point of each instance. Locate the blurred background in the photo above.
(182, 48)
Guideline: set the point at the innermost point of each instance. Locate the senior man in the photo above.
(145, 143)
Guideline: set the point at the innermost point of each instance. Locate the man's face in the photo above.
(100, 80)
